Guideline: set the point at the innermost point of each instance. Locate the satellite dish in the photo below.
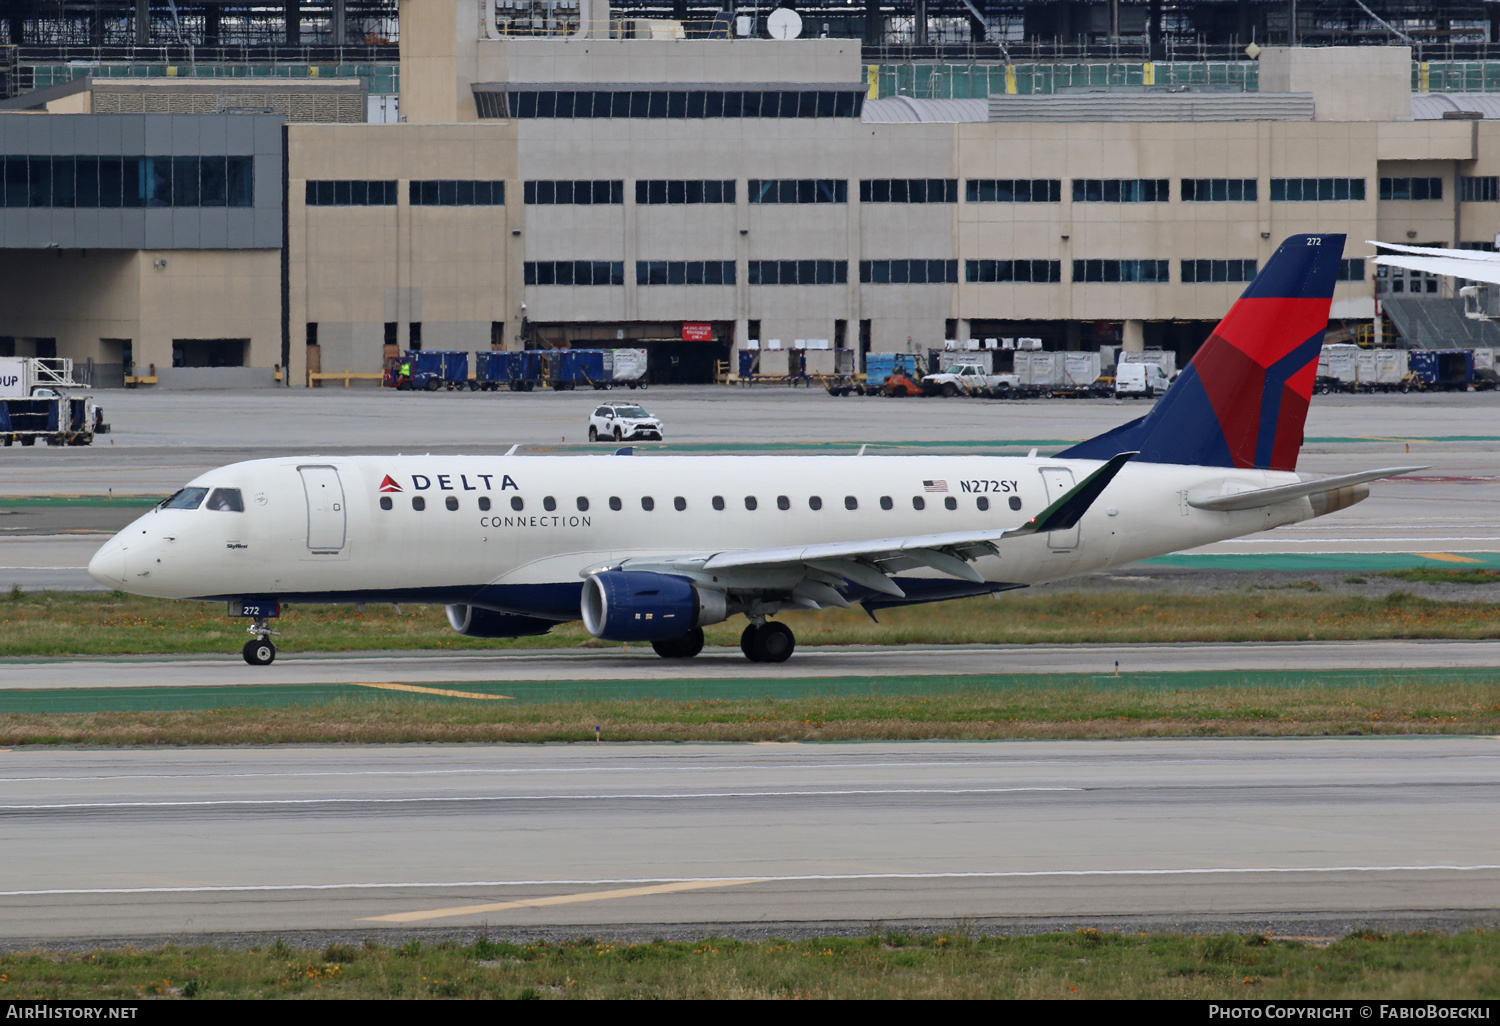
(784, 23)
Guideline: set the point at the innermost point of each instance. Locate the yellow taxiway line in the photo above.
(558, 899)
(1447, 557)
(428, 691)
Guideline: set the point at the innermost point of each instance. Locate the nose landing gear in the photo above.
(259, 651)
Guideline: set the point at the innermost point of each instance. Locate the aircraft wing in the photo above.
(826, 565)
(1476, 265)
(1281, 493)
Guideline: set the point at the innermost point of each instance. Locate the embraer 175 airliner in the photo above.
(655, 549)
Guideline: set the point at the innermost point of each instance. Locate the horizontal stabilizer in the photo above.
(1261, 497)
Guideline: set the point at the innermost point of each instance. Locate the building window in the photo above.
(1040, 271)
(659, 191)
(1219, 190)
(579, 193)
(684, 272)
(799, 272)
(575, 272)
(1308, 190)
(908, 272)
(670, 103)
(90, 183)
(1352, 270)
(448, 193)
(1201, 271)
(1481, 189)
(1013, 190)
(1121, 270)
(1411, 188)
(1121, 190)
(350, 193)
(908, 190)
(798, 190)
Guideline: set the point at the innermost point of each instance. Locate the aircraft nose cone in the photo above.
(108, 564)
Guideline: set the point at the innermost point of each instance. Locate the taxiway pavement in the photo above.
(370, 840)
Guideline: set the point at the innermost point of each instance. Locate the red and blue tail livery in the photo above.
(1243, 399)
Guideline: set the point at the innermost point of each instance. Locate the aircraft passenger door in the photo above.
(1058, 480)
(326, 515)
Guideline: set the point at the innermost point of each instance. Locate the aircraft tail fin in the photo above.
(1242, 400)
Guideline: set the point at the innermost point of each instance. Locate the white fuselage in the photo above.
(527, 528)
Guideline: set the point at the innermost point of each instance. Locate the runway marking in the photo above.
(791, 878)
(427, 691)
(559, 899)
(1447, 557)
(208, 802)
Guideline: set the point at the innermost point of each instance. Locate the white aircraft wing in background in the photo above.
(1473, 264)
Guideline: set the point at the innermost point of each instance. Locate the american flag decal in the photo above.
(934, 486)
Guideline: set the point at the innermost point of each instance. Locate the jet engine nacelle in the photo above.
(474, 622)
(635, 605)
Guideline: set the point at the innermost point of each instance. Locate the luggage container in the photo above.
(492, 369)
(879, 366)
(1447, 370)
(525, 370)
(587, 368)
(1166, 359)
(1081, 372)
(1040, 370)
(630, 367)
(821, 362)
(983, 357)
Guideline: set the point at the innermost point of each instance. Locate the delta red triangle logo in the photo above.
(389, 485)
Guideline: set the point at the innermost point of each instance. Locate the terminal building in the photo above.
(687, 195)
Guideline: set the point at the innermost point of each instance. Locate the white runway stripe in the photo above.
(854, 792)
(794, 878)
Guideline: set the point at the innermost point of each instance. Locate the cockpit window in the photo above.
(188, 498)
(226, 499)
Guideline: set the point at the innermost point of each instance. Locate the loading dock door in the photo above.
(1058, 480)
(325, 508)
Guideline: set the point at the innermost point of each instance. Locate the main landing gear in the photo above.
(259, 651)
(764, 642)
(768, 642)
(684, 647)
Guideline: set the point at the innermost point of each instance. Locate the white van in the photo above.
(1140, 379)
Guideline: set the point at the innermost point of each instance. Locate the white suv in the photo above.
(620, 422)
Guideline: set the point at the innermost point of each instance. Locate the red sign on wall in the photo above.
(697, 332)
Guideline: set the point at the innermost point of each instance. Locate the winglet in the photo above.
(1069, 509)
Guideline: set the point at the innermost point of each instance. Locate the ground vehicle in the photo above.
(427, 370)
(900, 385)
(621, 422)
(52, 417)
(1138, 380)
(966, 379)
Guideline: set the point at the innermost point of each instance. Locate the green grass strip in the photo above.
(271, 696)
(76, 501)
(954, 963)
(1307, 561)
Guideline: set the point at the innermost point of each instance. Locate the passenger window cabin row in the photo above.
(679, 503)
